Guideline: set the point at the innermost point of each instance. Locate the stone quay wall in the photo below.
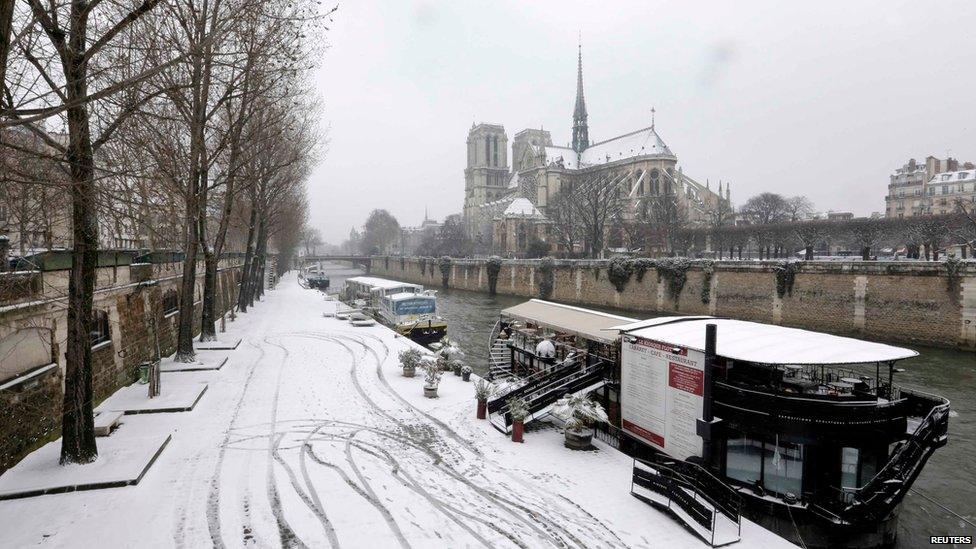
(905, 302)
(133, 297)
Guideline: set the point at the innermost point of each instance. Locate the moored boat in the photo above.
(404, 307)
(803, 432)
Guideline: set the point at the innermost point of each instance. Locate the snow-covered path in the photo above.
(310, 437)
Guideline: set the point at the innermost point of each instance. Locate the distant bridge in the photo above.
(363, 261)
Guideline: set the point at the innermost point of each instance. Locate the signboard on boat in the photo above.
(661, 395)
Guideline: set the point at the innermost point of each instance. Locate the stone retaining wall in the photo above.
(132, 295)
(909, 302)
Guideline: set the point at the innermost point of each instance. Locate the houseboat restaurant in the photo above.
(806, 433)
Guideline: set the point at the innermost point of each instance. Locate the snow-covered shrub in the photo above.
(445, 264)
(579, 412)
(619, 273)
(494, 266)
(518, 407)
(410, 358)
(547, 280)
(432, 374)
(483, 390)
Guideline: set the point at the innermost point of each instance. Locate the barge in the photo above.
(404, 307)
(803, 432)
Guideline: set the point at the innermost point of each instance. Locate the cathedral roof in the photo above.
(639, 143)
(643, 142)
(521, 207)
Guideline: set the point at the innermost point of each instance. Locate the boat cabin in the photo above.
(800, 423)
(368, 287)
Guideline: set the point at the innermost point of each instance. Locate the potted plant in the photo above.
(580, 413)
(466, 373)
(409, 360)
(432, 378)
(483, 391)
(518, 408)
(449, 356)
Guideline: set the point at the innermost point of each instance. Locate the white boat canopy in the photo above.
(585, 323)
(764, 343)
(382, 283)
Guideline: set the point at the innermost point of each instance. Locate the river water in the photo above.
(947, 481)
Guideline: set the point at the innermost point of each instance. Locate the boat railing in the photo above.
(703, 498)
(888, 487)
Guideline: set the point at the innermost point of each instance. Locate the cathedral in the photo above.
(505, 206)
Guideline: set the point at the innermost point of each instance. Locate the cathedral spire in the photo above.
(581, 139)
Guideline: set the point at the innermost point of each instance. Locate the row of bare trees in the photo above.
(927, 236)
(183, 124)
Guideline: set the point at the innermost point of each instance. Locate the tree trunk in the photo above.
(208, 320)
(866, 253)
(77, 422)
(808, 253)
(257, 290)
(248, 261)
(6, 23)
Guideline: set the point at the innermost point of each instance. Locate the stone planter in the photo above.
(466, 376)
(409, 372)
(517, 429)
(430, 392)
(579, 440)
(482, 409)
(457, 370)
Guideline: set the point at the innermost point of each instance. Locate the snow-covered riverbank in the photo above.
(309, 435)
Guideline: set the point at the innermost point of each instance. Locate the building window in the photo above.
(171, 301)
(494, 141)
(487, 150)
(100, 331)
(963, 175)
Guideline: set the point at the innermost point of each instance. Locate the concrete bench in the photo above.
(105, 421)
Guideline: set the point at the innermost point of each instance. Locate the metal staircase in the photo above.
(499, 356)
(689, 493)
(884, 492)
(575, 375)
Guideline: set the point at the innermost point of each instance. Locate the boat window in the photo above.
(744, 459)
(783, 467)
(848, 467)
(857, 467)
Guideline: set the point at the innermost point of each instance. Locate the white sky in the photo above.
(823, 99)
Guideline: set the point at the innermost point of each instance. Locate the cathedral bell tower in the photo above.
(581, 137)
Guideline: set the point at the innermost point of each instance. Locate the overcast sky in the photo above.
(795, 98)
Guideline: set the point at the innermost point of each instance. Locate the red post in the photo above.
(482, 409)
(517, 429)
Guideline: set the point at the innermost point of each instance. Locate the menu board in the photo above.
(661, 395)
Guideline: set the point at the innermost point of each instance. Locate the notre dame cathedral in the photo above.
(505, 206)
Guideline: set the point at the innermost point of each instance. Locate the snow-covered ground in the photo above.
(309, 436)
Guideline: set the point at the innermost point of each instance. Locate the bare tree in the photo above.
(766, 209)
(63, 49)
(797, 208)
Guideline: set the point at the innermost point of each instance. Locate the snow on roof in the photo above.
(521, 206)
(765, 343)
(381, 282)
(639, 143)
(513, 182)
(407, 295)
(566, 155)
(952, 177)
(585, 323)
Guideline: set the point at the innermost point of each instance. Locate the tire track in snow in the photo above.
(213, 498)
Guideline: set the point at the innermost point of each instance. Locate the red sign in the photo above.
(686, 379)
(662, 347)
(644, 433)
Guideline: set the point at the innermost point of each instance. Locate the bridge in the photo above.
(363, 261)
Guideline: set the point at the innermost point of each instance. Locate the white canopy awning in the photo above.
(585, 323)
(764, 343)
